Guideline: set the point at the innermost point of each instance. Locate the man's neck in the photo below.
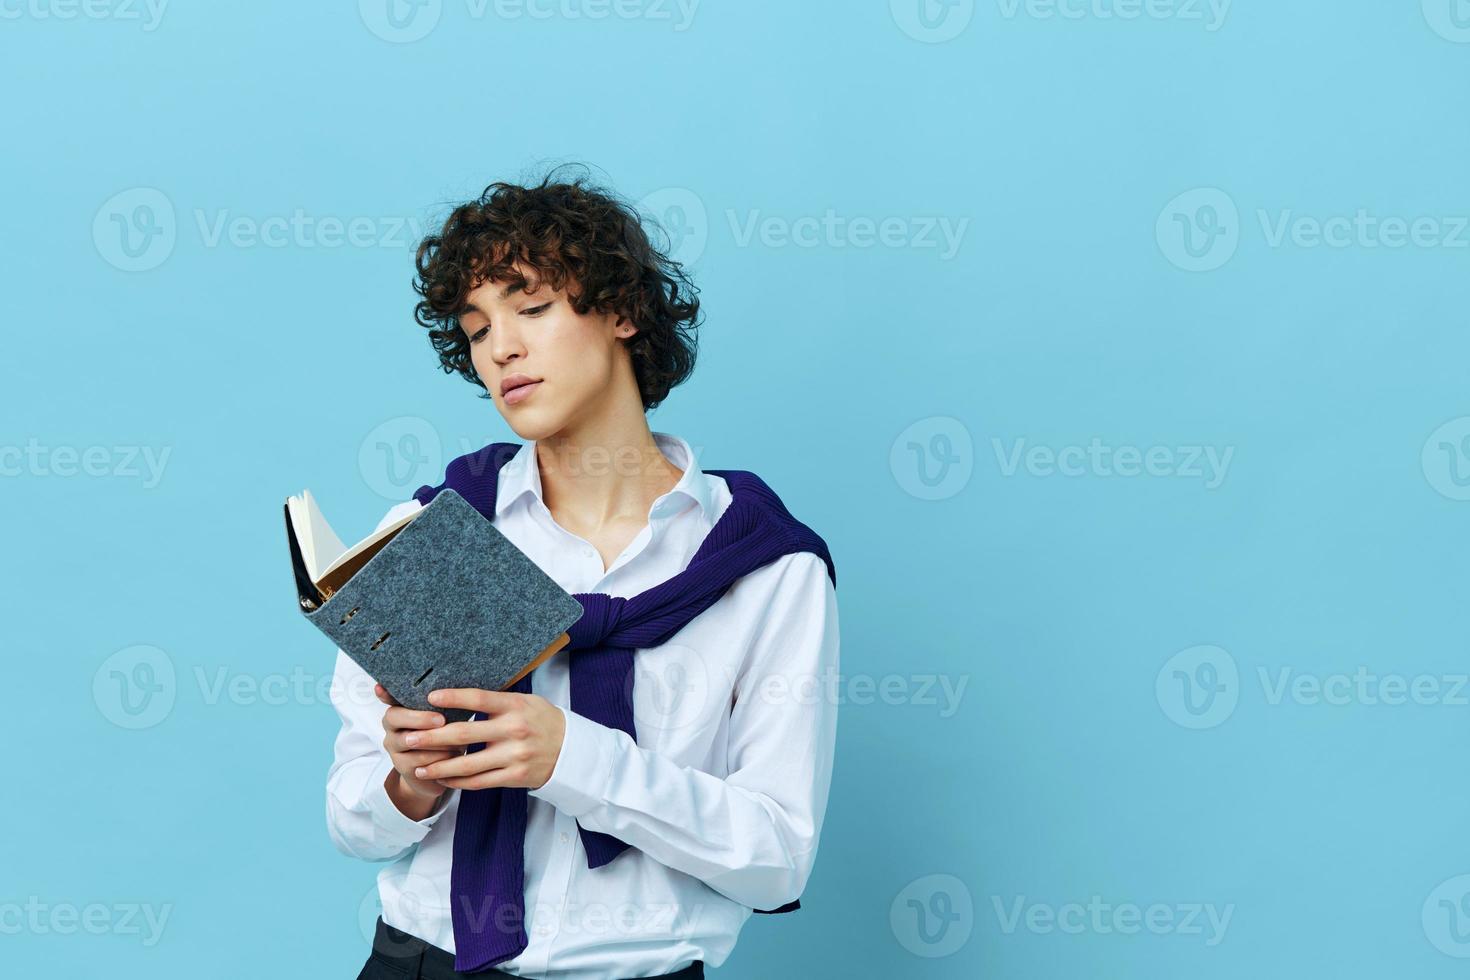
(605, 477)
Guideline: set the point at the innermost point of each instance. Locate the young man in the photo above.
(624, 809)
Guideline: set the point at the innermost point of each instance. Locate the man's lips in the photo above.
(515, 381)
(519, 393)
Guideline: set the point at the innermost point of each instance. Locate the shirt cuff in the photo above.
(393, 822)
(578, 781)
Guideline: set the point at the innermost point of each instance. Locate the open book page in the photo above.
(319, 544)
(328, 561)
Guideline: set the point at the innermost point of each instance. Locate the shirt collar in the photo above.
(522, 476)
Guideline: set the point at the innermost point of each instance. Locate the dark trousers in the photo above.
(397, 955)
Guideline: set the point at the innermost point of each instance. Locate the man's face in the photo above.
(535, 333)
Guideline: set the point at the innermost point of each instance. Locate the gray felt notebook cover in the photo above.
(449, 601)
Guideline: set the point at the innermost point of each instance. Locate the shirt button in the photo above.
(565, 837)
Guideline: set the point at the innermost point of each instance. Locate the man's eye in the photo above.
(479, 335)
(537, 310)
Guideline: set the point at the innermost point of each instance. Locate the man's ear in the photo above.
(624, 328)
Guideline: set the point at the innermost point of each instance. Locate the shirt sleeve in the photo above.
(361, 818)
(752, 835)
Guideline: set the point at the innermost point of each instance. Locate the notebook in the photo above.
(439, 598)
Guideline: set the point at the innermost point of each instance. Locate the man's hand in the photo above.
(398, 722)
(522, 735)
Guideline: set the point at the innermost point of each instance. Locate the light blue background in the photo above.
(1334, 834)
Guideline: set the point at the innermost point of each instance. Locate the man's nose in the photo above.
(506, 345)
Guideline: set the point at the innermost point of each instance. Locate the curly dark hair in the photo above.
(577, 236)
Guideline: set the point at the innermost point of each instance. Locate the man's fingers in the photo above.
(496, 729)
(471, 763)
(399, 717)
(416, 757)
(459, 733)
(508, 776)
(475, 699)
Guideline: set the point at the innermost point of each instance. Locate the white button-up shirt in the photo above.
(721, 797)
